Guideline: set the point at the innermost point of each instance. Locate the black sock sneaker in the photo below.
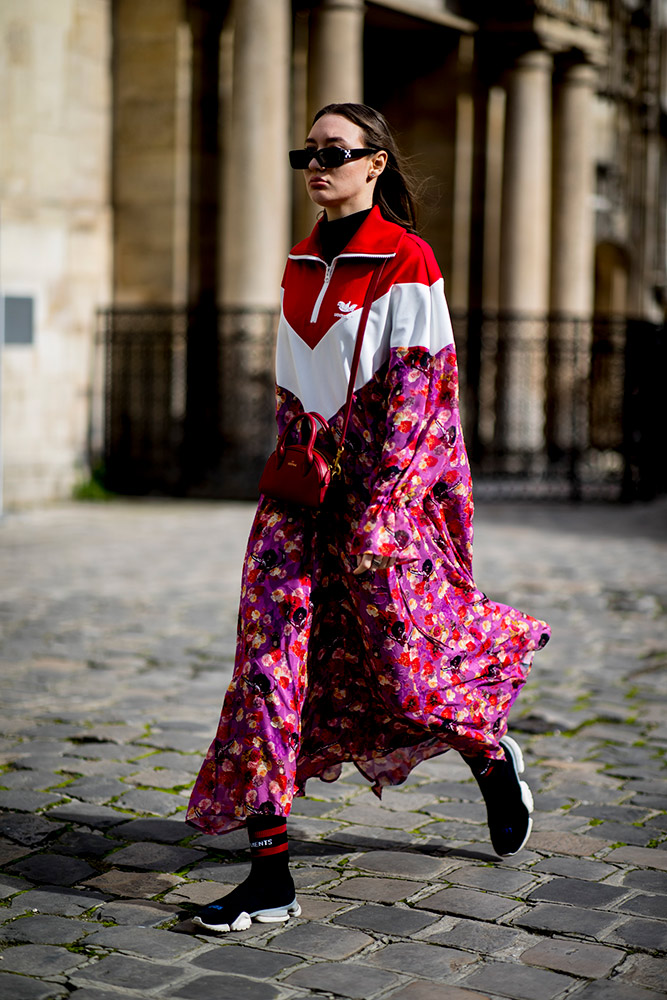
(255, 899)
(268, 894)
(509, 801)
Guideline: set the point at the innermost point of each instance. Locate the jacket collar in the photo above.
(375, 237)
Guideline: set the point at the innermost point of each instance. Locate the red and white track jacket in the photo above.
(321, 307)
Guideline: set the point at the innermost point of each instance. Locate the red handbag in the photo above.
(301, 473)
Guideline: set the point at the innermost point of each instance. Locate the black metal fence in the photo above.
(553, 407)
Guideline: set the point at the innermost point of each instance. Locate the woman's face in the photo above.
(348, 188)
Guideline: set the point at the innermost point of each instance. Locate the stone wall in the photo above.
(55, 77)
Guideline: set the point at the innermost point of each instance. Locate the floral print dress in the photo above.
(390, 667)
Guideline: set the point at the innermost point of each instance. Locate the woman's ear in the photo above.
(378, 163)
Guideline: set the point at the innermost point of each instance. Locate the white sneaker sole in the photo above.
(277, 915)
(514, 750)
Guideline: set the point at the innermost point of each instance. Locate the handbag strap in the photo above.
(368, 301)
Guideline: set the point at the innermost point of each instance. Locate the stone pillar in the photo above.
(256, 215)
(572, 261)
(524, 257)
(257, 199)
(336, 54)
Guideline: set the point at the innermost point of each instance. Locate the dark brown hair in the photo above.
(395, 187)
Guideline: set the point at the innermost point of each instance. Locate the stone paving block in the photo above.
(56, 900)
(184, 741)
(638, 836)
(126, 973)
(147, 800)
(370, 815)
(422, 990)
(430, 961)
(467, 790)
(560, 919)
(376, 890)
(11, 884)
(321, 941)
(11, 852)
(164, 779)
(314, 908)
(404, 863)
(40, 960)
(240, 960)
(473, 812)
(647, 971)
(99, 750)
(131, 884)
(646, 906)
(221, 987)
(56, 869)
(578, 845)
(519, 982)
(578, 892)
(88, 814)
(472, 935)
(574, 868)
(28, 830)
(645, 857)
(588, 960)
(27, 801)
(356, 838)
(351, 980)
(80, 844)
(496, 879)
(235, 840)
(155, 857)
(97, 790)
(232, 874)
(145, 942)
(166, 831)
(21, 988)
(650, 935)
(46, 929)
(616, 814)
(311, 808)
(468, 903)
(200, 893)
(615, 989)
(455, 831)
(136, 913)
(400, 921)
(406, 801)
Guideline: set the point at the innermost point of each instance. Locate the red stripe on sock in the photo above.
(272, 831)
(264, 851)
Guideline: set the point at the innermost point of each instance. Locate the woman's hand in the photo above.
(367, 560)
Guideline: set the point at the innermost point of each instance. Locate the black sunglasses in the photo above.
(328, 156)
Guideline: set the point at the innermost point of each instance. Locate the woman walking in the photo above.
(362, 636)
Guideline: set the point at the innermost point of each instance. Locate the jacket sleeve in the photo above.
(423, 444)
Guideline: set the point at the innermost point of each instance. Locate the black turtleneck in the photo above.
(337, 233)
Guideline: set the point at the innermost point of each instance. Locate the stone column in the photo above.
(257, 198)
(524, 257)
(256, 225)
(572, 260)
(336, 54)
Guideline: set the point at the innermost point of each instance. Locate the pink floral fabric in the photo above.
(384, 669)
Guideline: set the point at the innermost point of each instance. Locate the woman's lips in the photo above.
(318, 182)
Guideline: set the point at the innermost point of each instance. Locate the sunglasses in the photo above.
(328, 156)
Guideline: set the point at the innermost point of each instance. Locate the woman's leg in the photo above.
(268, 894)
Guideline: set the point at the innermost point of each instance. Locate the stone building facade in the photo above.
(148, 173)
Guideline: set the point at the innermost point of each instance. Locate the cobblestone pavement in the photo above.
(117, 643)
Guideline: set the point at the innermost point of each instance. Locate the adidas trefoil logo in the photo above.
(345, 308)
